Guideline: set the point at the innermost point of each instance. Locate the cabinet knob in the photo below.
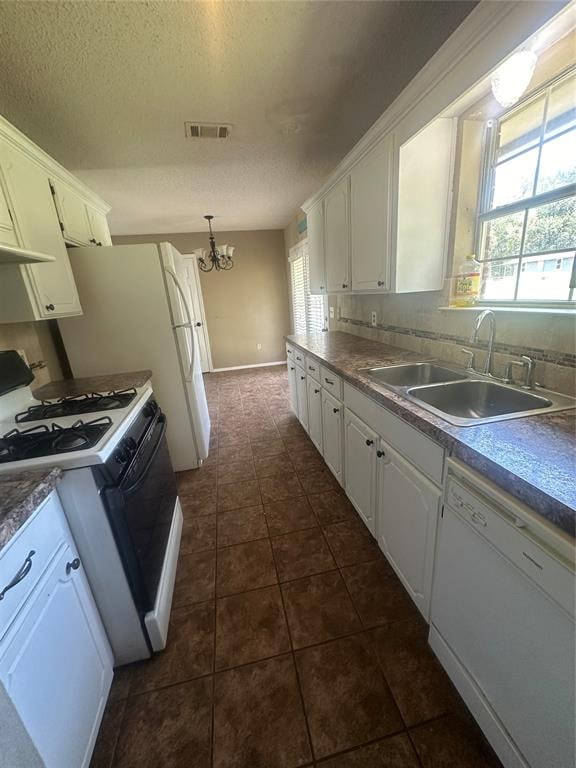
(380, 283)
(380, 454)
(302, 377)
(98, 243)
(316, 391)
(73, 565)
(369, 442)
(322, 288)
(292, 368)
(50, 307)
(198, 325)
(93, 240)
(344, 285)
(336, 410)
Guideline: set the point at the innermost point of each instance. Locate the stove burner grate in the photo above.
(43, 441)
(92, 402)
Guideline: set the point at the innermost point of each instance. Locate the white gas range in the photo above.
(118, 492)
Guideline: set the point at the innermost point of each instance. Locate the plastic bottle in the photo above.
(466, 283)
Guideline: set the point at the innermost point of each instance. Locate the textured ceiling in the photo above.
(105, 88)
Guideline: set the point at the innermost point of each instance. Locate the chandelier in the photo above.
(216, 258)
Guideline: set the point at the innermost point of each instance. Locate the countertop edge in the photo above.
(548, 507)
(14, 514)
(84, 385)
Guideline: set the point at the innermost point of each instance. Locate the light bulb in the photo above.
(513, 77)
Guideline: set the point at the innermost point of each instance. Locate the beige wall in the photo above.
(35, 340)
(246, 306)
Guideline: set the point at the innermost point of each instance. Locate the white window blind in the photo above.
(307, 309)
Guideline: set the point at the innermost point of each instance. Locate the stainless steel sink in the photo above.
(476, 401)
(413, 374)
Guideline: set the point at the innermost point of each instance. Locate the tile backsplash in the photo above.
(415, 322)
(35, 341)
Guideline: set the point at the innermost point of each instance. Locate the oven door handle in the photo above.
(142, 475)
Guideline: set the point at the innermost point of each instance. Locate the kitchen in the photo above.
(307, 498)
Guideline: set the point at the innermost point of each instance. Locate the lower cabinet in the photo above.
(315, 412)
(302, 397)
(408, 507)
(332, 435)
(292, 391)
(360, 446)
(55, 660)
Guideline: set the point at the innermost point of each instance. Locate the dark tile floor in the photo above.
(292, 642)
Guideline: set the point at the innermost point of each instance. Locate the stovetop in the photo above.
(42, 440)
(94, 402)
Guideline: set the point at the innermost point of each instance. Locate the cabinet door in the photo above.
(51, 285)
(98, 226)
(316, 261)
(337, 237)
(408, 507)
(332, 436)
(8, 234)
(72, 213)
(360, 446)
(302, 394)
(292, 389)
(315, 412)
(56, 666)
(370, 182)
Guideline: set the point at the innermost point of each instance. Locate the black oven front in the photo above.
(138, 489)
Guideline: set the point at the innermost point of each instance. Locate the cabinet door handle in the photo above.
(380, 454)
(50, 307)
(329, 381)
(369, 442)
(21, 573)
(73, 565)
(336, 410)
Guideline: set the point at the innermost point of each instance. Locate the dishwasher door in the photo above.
(505, 641)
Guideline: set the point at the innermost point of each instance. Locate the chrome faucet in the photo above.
(487, 314)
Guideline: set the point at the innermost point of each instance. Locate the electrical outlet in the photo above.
(331, 313)
(258, 347)
(373, 320)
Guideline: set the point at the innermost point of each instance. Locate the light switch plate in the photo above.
(373, 318)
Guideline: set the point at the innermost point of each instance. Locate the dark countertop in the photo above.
(532, 458)
(88, 384)
(21, 493)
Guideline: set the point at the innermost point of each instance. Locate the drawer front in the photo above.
(331, 382)
(502, 531)
(313, 368)
(426, 455)
(289, 352)
(300, 357)
(42, 535)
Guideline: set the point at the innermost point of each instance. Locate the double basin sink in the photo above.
(462, 397)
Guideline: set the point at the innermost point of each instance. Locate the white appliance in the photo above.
(137, 315)
(503, 621)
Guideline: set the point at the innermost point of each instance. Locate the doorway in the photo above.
(193, 281)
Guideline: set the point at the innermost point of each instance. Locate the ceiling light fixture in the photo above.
(513, 77)
(216, 258)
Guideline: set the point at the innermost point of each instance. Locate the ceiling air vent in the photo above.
(206, 131)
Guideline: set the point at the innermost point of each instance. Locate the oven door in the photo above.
(141, 510)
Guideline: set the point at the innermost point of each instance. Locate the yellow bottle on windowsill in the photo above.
(465, 287)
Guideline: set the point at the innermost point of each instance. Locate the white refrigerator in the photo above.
(137, 315)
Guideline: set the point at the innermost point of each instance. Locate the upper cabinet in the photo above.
(337, 237)
(42, 209)
(386, 222)
(370, 182)
(317, 269)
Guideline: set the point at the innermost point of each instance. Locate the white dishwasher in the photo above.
(502, 620)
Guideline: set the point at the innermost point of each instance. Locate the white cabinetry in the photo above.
(292, 389)
(317, 266)
(332, 435)
(36, 291)
(337, 237)
(55, 660)
(302, 397)
(370, 182)
(408, 507)
(315, 412)
(360, 446)
(98, 225)
(8, 234)
(80, 222)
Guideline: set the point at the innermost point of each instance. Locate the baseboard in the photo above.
(254, 365)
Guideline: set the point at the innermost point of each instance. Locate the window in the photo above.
(308, 310)
(527, 222)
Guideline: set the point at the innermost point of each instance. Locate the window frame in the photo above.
(486, 214)
(300, 251)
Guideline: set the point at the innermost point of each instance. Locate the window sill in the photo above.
(568, 311)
